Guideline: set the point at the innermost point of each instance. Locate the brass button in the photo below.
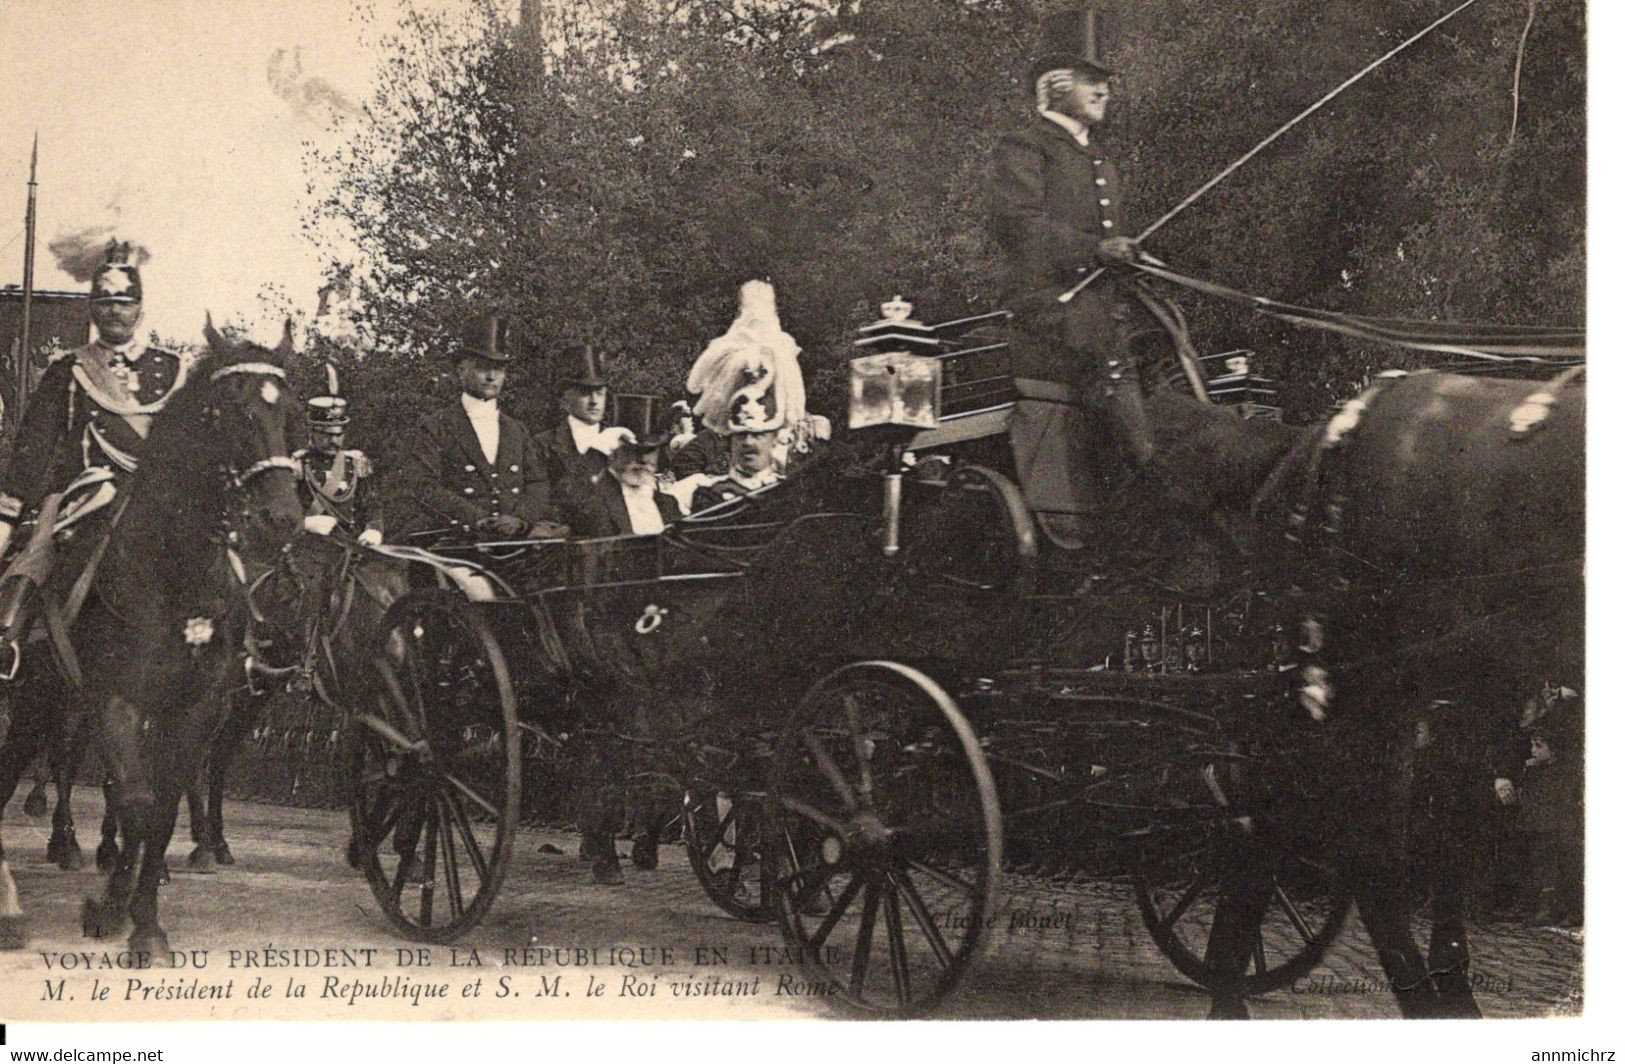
(1105, 203)
(1107, 223)
(1100, 180)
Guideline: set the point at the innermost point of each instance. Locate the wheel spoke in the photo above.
(833, 917)
(1298, 922)
(806, 883)
(816, 815)
(466, 830)
(721, 832)
(866, 934)
(922, 915)
(831, 771)
(866, 783)
(474, 796)
(1186, 900)
(426, 893)
(899, 952)
(448, 857)
(946, 878)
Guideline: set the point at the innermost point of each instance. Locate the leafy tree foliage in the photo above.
(612, 170)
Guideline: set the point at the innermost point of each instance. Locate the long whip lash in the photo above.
(1066, 297)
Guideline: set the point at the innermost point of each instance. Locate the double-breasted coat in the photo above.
(447, 481)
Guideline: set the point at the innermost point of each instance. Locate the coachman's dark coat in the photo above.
(1052, 202)
(448, 482)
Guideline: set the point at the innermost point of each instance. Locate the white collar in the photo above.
(1078, 131)
(583, 434)
(480, 408)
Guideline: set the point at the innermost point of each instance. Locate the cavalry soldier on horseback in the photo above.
(1057, 208)
(82, 435)
(471, 468)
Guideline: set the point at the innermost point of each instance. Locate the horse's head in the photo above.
(248, 407)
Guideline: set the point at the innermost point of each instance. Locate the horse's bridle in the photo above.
(239, 479)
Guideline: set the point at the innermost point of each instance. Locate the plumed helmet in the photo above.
(117, 280)
(749, 379)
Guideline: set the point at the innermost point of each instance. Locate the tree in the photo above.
(614, 169)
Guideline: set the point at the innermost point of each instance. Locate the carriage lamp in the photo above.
(899, 393)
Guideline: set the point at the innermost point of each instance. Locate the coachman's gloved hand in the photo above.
(370, 537)
(321, 524)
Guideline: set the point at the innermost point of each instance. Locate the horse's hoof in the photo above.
(352, 853)
(201, 860)
(13, 932)
(107, 856)
(223, 854)
(64, 852)
(98, 920)
(163, 875)
(151, 946)
(36, 804)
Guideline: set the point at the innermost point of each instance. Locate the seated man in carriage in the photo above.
(577, 449)
(472, 471)
(626, 498)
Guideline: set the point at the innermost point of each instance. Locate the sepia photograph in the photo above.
(800, 510)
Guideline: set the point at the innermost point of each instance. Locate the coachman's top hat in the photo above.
(581, 366)
(1067, 40)
(489, 337)
(116, 280)
(639, 415)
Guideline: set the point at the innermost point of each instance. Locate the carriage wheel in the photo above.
(722, 832)
(1179, 896)
(436, 769)
(887, 839)
(978, 537)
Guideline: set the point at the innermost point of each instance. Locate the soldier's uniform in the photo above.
(1055, 195)
(734, 486)
(90, 413)
(92, 407)
(330, 478)
(449, 480)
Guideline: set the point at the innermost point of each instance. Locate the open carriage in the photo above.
(870, 690)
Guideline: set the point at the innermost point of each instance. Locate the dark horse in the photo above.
(1431, 539)
(162, 634)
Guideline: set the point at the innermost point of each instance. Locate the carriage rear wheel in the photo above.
(722, 831)
(435, 797)
(885, 825)
(1180, 896)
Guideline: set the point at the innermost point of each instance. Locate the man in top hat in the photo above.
(93, 406)
(626, 499)
(1057, 211)
(577, 449)
(471, 468)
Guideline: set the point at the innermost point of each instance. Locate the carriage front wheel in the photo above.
(885, 836)
(435, 763)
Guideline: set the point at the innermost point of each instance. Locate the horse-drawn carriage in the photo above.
(871, 687)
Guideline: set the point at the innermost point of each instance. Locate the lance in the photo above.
(24, 357)
(1066, 297)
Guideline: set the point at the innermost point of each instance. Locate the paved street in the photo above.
(1081, 954)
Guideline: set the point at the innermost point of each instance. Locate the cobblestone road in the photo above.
(1087, 957)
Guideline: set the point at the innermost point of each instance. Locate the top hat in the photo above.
(638, 415)
(489, 337)
(582, 367)
(1067, 40)
(116, 280)
(327, 413)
